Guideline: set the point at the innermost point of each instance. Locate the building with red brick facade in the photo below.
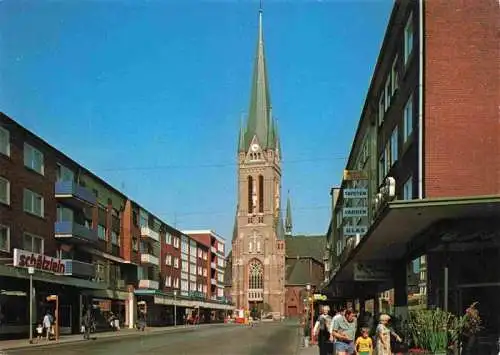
(421, 191)
(88, 242)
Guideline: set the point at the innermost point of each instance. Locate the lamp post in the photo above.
(31, 271)
(175, 308)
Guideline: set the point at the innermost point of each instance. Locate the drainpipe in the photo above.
(420, 97)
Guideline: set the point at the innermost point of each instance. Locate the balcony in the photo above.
(256, 294)
(149, 259)
(74, 195)
(213, 249)
(149, 284)
(213, 281)
(147, 232)
(74, 232)
(78, 268)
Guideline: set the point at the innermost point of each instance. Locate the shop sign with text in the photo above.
(355, 211)
(25, 259)
(355, 193)
(354, 230)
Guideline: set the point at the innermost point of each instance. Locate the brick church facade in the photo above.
(258, 270)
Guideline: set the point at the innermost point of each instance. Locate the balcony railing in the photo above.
(78, 268)
(256, 294)
(149, 284)
(71, 231)
(74, 193)
(149, 259)
(147, 232)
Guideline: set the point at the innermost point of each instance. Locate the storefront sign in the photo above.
(355, 211)
(350, 175)
(24, 258)
(372, 271)
(355, 193)
(355, 230)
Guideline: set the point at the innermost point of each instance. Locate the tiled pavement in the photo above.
(24, 343)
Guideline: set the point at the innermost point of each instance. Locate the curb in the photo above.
(136, 334)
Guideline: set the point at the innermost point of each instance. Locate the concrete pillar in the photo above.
(400, 290)
(130, 310)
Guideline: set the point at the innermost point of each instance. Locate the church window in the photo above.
(261, 194)
(256, 273)
(258, 246)
(250, 246)
(250, 194)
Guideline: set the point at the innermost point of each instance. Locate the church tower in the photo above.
(258, 250)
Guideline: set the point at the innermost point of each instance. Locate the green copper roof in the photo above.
(260, 120)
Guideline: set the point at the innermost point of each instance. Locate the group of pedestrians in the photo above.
(337, 335)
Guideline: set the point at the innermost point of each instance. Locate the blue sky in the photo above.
(149, 94)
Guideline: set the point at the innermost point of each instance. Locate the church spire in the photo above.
(288, 218)
(259, 113)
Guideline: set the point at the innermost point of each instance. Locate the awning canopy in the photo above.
(403, 220)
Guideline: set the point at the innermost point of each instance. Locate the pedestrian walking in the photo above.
(322, 333)
(344, 332)
(384, 336)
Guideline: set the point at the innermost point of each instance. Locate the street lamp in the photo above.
(175, 308)
(31, 271)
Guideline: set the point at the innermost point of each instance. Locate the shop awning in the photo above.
(167, 300)
(22, 273)
(403, 220)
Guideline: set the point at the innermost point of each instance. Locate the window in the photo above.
(258, 246)
(65, 174)
(168, 259)
(143, 218)
(408, 189)
(168, 281)
(394, 76)
(388, 92)
(101, 232)
(184, 285)
(193, 286)
(261, 194)
(33, 243)
(381, 168)
(4, 191)
(205, 255)
(33, 203)
(200, 270)
(394, 145)
(408, 40)
(250, 194)
(250, 247)
(115, 238)
(4, 238)
(185, 266)
(256, 272)
(64, 214)
(204, 288)
(168, 238)
(135, 243)
(176, 242)
(33, 159)
(4, 141)
(381, 109)
(176, 282)
(176, 262)
(408, 119)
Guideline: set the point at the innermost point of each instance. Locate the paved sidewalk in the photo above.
(311, 350)
(65, 339)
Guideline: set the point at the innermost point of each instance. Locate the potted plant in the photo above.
(470, 327)
(429, 330)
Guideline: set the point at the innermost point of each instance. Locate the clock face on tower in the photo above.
(254, 147)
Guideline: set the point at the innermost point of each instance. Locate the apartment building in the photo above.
(421, 190)
(87, 242)
(216, 262)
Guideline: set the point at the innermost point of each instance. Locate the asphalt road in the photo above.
(262, 339)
